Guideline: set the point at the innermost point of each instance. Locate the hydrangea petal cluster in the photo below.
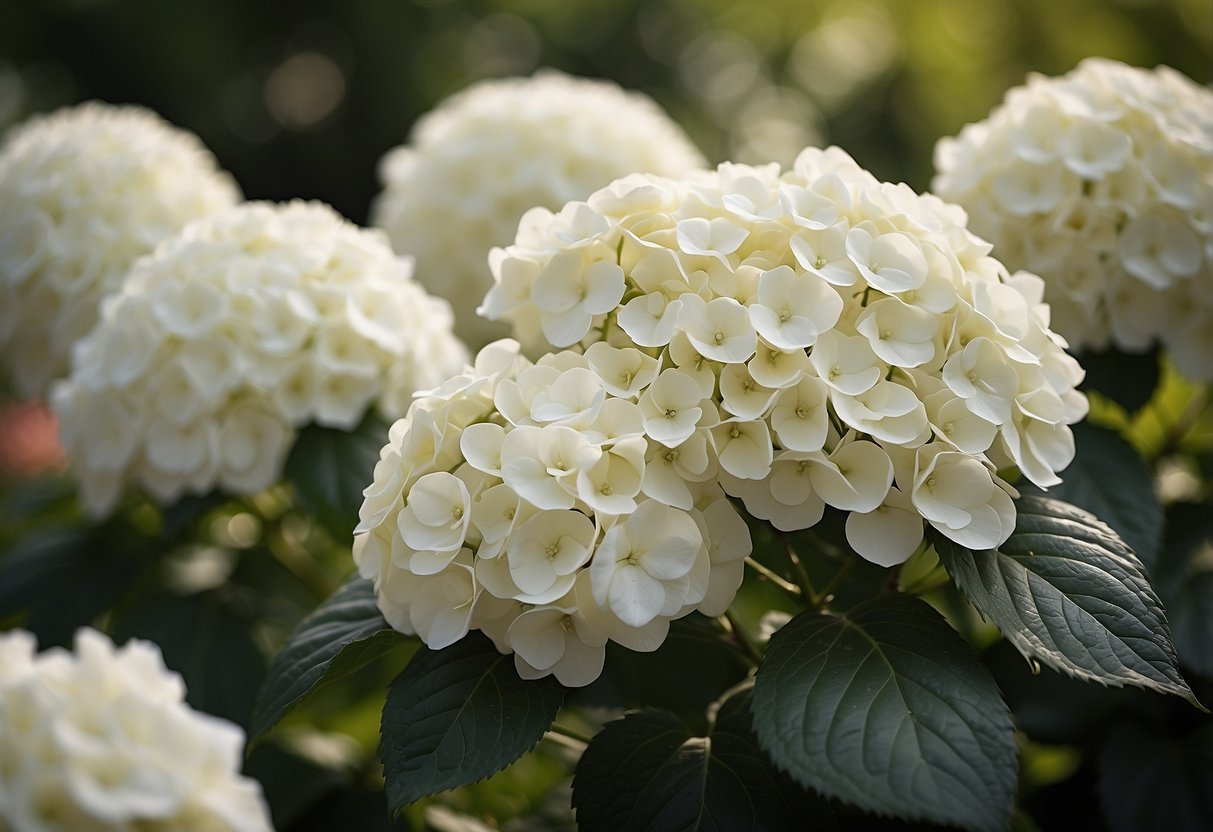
(490, 152)
(230, 336)
(1101, 182)
(101, 739)
(816, 337)
(83, 192)
(531, 501)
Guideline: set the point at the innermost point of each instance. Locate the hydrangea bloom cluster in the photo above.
(83, 192)
(532, 502)
(229, 337)
(489, 153)
(1101, 181)
(102, 740)
(820, 337)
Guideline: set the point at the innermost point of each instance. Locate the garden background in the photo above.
(301, 99)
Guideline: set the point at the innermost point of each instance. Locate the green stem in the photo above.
(822, 598)
(732, 626)
(775, 578)
(926, 586)
(1175, 433)
(802, 575)
(567, 736)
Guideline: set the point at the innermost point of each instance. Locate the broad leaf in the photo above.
(63, 579)
(1056, 709)
(342, 635)
(1185, 583)
(458, 715)
(1192, 617)
(1066, 590)
(330, 468)
(690, 671)
(1129, 379)
(1109, 479)
(1152, 782)
(646, 771)
(886, 707)
(209, 643)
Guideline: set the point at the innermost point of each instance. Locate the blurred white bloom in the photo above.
(552, 538)
(807, 328)
(83, 192)
(101, 739)
(1101, 182)
(487, 154)
(247, 326)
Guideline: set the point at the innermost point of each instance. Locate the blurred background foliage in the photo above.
(301, 98)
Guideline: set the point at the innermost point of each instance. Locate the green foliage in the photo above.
(886, 707)
(209, 641)
(329, 469)
(691, 669)
(1185, 583)
(458, 715)
(1110, 480)
(1129, 379)
(1149, 781)
(647, 771)
(344, 633)
(60, 579)
(1066, 590)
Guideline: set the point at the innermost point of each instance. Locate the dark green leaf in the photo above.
(343, 634)
(1066, 590)
(63, 579)
(1129, 379)
(458, 715)
(1056, 709)
(1109, 479)
(886, 707)
(1152, 782)
(330, 468)
(1189, 525)
(647, 772)
(209, 643)
(690, 671)
(358, 809)
(294, 784)
(1192, 618)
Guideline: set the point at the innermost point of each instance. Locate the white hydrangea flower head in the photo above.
(83, 192)
(229, 337)
(487, 154)
(102, 739)
(1101, 182)
(530, 501)
(814, 338)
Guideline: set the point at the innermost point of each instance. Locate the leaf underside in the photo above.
(1066, 590)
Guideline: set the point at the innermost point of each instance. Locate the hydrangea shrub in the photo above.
(1101, 182)
(100, 738)
(825, 338)
(485, 155)
(228, 338)
(84, 191)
